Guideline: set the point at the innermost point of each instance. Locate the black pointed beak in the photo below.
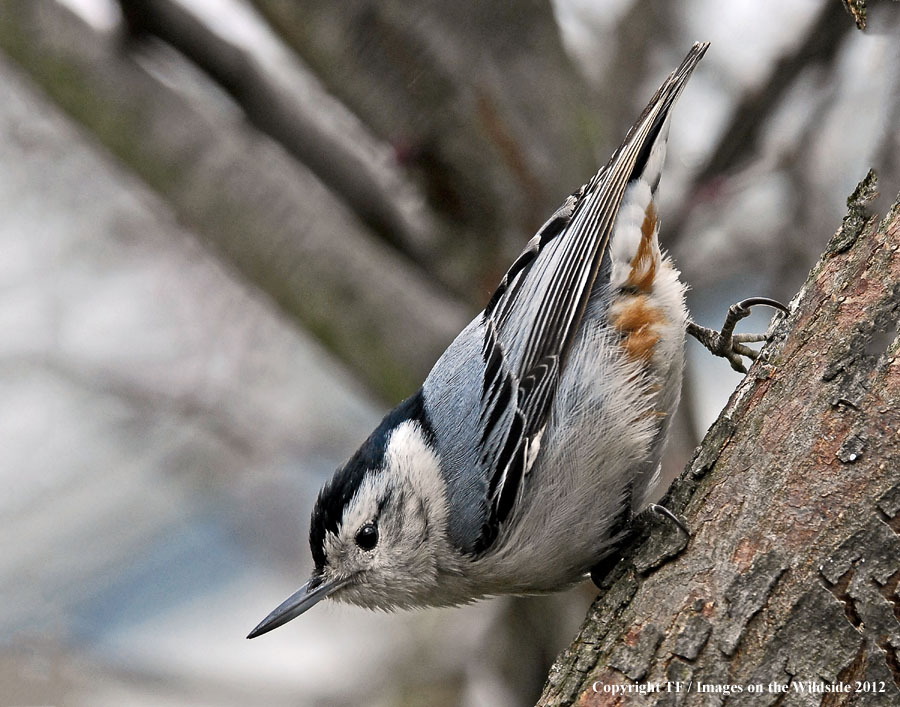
(304, 598)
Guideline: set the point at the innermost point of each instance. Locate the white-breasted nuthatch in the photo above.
(537, 436)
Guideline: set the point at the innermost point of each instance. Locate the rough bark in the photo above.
(268, 215)
(791, 573)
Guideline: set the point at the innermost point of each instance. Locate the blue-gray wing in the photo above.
(529, 324)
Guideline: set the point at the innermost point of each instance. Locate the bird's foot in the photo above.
(726, 343)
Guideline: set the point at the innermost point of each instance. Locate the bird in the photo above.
(536, 439)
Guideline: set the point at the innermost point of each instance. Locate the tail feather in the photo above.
(634, 246)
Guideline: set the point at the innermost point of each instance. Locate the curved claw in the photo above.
(767, 301)
(666, 513)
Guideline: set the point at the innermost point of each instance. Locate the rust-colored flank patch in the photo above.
(634, 315)
(643, 265)
(636, 318)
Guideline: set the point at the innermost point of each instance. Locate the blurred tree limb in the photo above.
(793, 569)
(480, 99)
(497, 157)
(739, 139)
(268, 215)
(288, 104)
(637, 36)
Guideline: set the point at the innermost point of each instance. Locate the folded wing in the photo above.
(530, 322)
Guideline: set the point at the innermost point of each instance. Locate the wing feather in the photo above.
(531, 320)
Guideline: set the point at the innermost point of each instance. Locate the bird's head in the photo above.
(378, 527)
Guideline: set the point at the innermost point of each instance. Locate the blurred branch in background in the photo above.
(286, 102)
(479, 99)
(637, 38)
(269, 216)
(739, 140)
(775, 164)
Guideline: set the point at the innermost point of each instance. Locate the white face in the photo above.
(391, 528)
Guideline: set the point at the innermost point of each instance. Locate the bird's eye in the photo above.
(367, 536)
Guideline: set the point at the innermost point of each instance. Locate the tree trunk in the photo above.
(790, 577)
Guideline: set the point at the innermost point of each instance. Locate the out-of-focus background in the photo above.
(234, 232)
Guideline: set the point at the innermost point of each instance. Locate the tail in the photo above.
(658, 109)
(634, 247)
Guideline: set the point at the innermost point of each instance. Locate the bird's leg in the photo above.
(726, 343)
